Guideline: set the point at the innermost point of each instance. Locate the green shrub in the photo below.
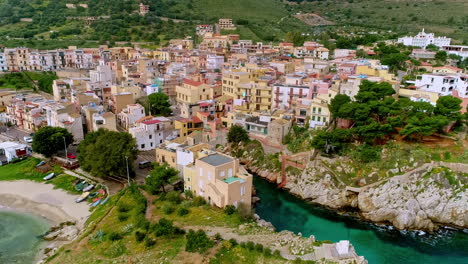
(174, 197)
(277, 253)
(199, 201)
(267, 252)
(165, 227)
(168, 209)
(243, 245)
(447, 155)
(218, 237)
(197, 241)
(115, 250)
(139, 236)
(122, 217)
(233, 242)
(230, 209)
(123, 207)
(259, 247)
(250, 245)
(142, 222)
(188, 194)
(182, 211)
(149, 242)
(114, 236)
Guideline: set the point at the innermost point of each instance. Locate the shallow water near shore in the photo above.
(378, 244)
(19, 241)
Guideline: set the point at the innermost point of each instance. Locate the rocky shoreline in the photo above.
(427, 198)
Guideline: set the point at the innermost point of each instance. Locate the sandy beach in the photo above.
(43, 200)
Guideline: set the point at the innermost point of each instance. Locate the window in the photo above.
(142, 146)
(324, 119)
(201, 171)
(242, 190)
(151, 144)
(230, 173)
(150, 136)
(313, 118)
(318, 118)
(209, 175)
(222, 174)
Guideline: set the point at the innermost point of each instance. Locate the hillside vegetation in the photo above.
(260, 20)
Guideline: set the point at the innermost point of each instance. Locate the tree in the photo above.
(198, 241)
(105, 153)
(449, 107)
(49, 140)
(159, 104)
(160, 176)
(432, 47)
(425, 126)
(295, 37)
(441, 56)
(237, 134)
(337, 102)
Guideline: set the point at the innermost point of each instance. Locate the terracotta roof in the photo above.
(192, 82)
(151, 122)
(144, 119)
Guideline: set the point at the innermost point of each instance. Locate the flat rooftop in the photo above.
(216, 159)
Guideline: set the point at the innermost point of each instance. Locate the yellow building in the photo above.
(188, 125)
(377, 71)
(319, 114)
(189, 94)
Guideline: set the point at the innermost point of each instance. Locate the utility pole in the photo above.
(65, 144)
(128, 174)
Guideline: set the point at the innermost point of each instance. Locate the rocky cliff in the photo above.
(424, 198)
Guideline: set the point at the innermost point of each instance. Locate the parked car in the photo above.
(71, 156)
(28, 139)
(144, 164)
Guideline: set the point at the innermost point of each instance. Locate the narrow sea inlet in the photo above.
(19, 237)
(378, 245)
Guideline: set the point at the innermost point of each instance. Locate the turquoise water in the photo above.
(377, 244)
(19, 242)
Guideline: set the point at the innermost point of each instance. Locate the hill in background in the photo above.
(260, 20)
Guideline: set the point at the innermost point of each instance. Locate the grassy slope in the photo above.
(88, 249)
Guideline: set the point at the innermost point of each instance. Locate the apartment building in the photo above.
(148, 134)
(444, 84)
(185, 126)
(119, 101)
(130, 115)
(226, 24)
(189, 94)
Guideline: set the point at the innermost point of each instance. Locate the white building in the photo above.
(461, 51)
(3, 62)
(148, 134)
(214, 62)
(102, 74)
(151, 89)
(444, 84)
(423, 39)
(130, 115)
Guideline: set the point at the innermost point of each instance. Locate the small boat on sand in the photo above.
(49, 176)
(40, 163)
(82, 197)
(96, 203)
(88, 188)
(105, 200)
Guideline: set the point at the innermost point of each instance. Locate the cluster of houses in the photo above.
(222, 82)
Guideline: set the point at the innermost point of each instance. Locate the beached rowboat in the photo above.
(82, 197)
(48, 177)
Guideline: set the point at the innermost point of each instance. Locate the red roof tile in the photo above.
(151, 122)
(192, 82)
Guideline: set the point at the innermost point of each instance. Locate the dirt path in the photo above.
(150, 207)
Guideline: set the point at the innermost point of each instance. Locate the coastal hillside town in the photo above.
(190, 114)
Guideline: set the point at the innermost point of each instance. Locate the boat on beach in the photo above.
(88, 188)
(49, 176)
(40, 163)
(82, 197)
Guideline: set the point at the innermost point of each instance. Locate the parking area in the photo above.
(140, 174)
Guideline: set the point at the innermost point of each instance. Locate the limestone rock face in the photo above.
(420, 199)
